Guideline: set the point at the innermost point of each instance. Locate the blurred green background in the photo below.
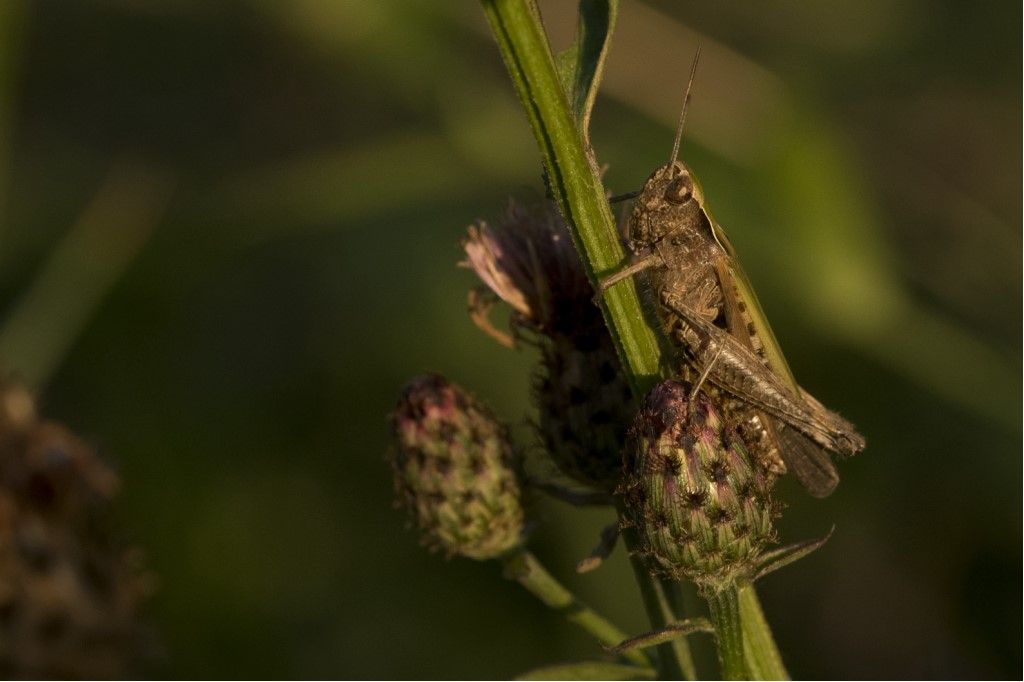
(229, 234)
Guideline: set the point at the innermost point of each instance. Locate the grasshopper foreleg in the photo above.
(636, 265)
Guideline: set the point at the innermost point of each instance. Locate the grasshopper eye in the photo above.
(679, 190)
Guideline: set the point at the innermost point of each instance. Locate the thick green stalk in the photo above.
(575, 181)
(725, 615)
(522, 566)
(763, 658)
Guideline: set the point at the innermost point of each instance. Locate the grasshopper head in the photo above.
(671, 202)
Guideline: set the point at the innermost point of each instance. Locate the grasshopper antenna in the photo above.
(686, 102)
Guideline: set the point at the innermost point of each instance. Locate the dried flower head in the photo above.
(701, 509)
(584, 404)
(69, 595)
(456, 472)
(527, 258)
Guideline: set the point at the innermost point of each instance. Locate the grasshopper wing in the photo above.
(808, 460)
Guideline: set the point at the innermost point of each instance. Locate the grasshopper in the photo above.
(708, 307)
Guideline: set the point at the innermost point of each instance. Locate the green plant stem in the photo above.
(725, 615)
(575, 182)
(576, 185)
(763, 658)
(523, 566)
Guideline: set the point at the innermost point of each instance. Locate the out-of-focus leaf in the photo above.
(589, 670)
(665, 634)
(55, 308)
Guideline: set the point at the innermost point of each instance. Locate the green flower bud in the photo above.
(455, 470)
(701, 509)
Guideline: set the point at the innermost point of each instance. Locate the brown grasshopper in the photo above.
(707, 306)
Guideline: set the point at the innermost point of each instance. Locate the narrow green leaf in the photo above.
(589, 670)
(593, 38)
(784, 556)
(581, 65)
(666, 634)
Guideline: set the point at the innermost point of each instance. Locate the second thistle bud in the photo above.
(455, 470)
(700, 508)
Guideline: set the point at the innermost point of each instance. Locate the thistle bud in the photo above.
(455, 470)
(584, 404)
(701, 509)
